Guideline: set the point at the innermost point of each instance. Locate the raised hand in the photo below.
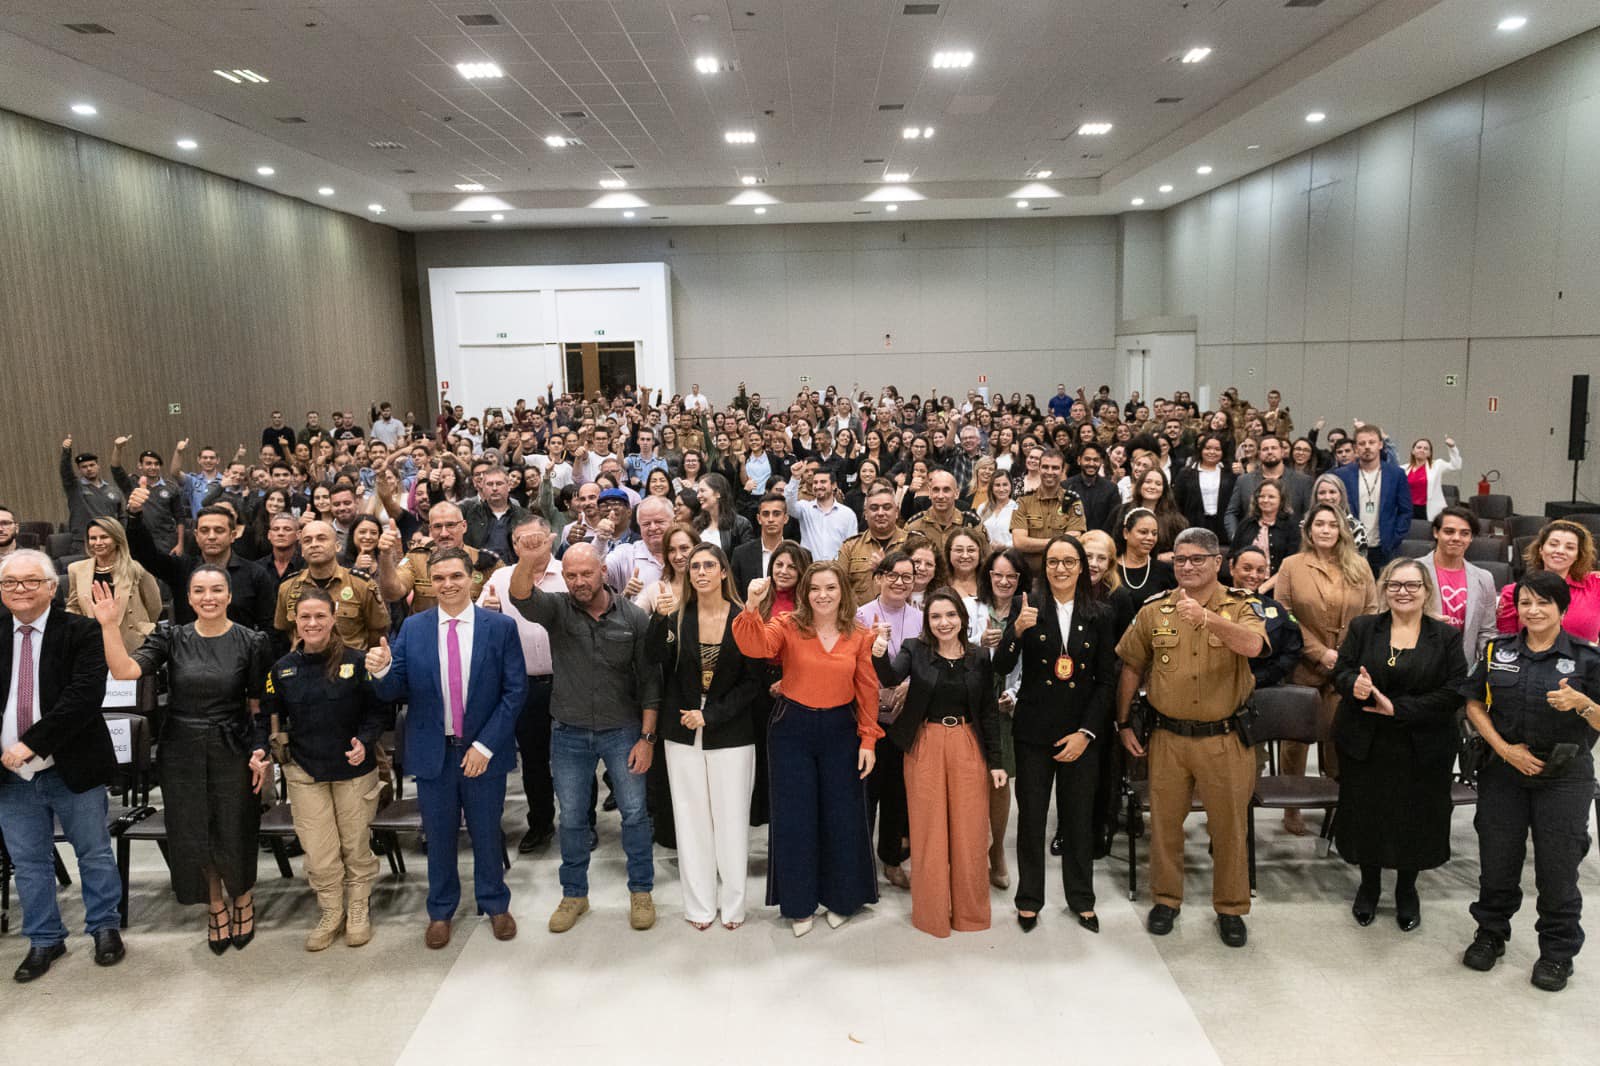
(1190, 609)
(182, 445)
(389, 542)
(491, 599)
(136, 499)
(880, 640)
(1027, 617)
(378, 658)
(66, 443)
(634, 585)
(666, 599)
(1362, 689)
(759, 590)
(122, 440)
(106, 611)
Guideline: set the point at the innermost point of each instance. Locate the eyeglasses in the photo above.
(897, 578)
(24, 584)
(1002, 577)
(1191, 560)
(439, 527)
(1061, 564)
(1403, 586)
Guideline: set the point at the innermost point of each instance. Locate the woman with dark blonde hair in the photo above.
(110, 566)
(821, 745)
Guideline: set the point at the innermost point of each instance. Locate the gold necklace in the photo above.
(1394, 653)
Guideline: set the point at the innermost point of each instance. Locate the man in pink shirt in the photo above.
(1464, 594)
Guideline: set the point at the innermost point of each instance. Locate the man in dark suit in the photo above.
(750, 559)
(55, 761)
(461, 670)
(1379, 495)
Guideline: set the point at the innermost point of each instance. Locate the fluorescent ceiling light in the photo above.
(188, 144)
(1043, 173)
(1137, 201)
(1196, 55)
(1203, 168)
(707, 64)
(497, 218)
(556, 141)
(85, 109)
(475, 71)
(228, 76)
(952, 60)
(891, 207)
(1315, 117)
(265, 172)
(1094, 129)
(1251, 147)
(1164, 188)
(894, 177)
(468, 186)
(252, 76)
(749, 179)
(1022, 203)
(376, 209)
(911, 133)
(761, 210)
(239, 77)
(1511, 23)
(613, 183)
(627, 214)
(326, 190)
(740, 137)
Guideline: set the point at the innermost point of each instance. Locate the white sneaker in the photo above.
(802, 926)
(836, 920)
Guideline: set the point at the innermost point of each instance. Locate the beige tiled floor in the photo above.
(1311, 986)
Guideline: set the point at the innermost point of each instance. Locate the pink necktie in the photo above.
(25, 683)
(453, 655)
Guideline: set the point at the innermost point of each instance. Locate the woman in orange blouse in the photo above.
(820, 746)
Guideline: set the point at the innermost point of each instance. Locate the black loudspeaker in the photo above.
(1578, 422)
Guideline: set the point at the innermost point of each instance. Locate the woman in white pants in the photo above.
(708, 703)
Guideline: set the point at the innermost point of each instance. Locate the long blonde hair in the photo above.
(125, 573)
(1354, 568)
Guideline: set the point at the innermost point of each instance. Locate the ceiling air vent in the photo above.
(872, 162)
(1303, 3)
(478, 20)
(291, 120)
(659, 218)
(386, 146)
(891, 107)
(920, 9)
(89, 28)
(572, 114)
(622, 166)
(1169, 99)
(405, 172)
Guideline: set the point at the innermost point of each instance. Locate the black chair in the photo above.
(1452, 494)
(1487, 549)
(58, 545)
(29, 540)
(1415, 549)
(1421, 529)
(1492, 509)
(1289, 712)
(1524, 525)
(37, 529)
(1138, 796)
(1519, 550)
(277, 830)
(142, 823)
(1588, 520)
(1501, 572)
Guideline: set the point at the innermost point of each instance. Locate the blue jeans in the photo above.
(28, 810)
(574, 753)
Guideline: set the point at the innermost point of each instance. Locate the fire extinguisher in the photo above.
(1483, 482)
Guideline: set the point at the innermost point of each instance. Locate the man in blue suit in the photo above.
(460, 669)
(1380, 498)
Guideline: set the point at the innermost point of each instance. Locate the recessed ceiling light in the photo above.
(749, 179)
(1252, 147)
(1203, 168)
(1043, 173)
(707, 64)
(556, 141)
(376, 209)
(891, 207)
(613, 183)
(740, 137)
(894, 177)
(761, 210)
(265, 172)
(627, 214)
(326, 190)
(911, 133)
(468, 186)
(1137, 201)
(497, 218)
(475, 71)
(1315, 117)
(1511, 23)
(188, 144)
(1196, 55)
(1022, 203)
(85, 109)
(1094, 129)
(1164, 188)
(952, 60)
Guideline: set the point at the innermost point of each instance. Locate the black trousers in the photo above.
(1556, 812)
(1074, 785)
(533, 741)
(886, 795)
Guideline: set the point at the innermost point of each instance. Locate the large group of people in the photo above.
(873, 623)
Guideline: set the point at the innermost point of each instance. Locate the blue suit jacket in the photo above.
(1394, 502)
(496, 688)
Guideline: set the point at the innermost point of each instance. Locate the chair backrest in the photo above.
(38, 529)
(1524, 525)
(400, 740)
(1518, 548)
(1452, 494)
(1287, 712)
(1421, 529)
(28, 540)
(57, 545)
(1501, 572)
(1415, 549)
(1494, 506)
(1491, 549)
(1588, 520)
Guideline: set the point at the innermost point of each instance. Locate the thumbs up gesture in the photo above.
(1027, 617)
(491, 599)
(1362, 689)
(1190, 609)
(880, 640)
(634, 585)
(666, 599)
(1566, 698)
(378, 659)
(137, 498)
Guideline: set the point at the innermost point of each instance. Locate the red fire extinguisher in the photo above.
(1483, 482)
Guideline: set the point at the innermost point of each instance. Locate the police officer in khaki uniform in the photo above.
(409, 576)
(943, 516)
(359, 613)
(861, 553)
(1195, 645)
(1047, 513)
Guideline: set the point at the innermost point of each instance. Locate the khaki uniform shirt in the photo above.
(927, 524)
(359, 613)
(1043, 518)
(860, 554)
(412, 574)
(1192, 674)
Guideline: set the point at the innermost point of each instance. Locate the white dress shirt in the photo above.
(9, 734)
(464, 642)
(535, 641)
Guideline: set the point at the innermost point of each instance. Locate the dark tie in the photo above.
(25, 683)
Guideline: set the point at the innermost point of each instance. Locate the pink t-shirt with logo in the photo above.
(1453, 595)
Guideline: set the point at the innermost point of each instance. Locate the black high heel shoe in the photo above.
(240, 936)
(218, 945)
(1090, 922)
(1365, 907)
(1407, 910)
(1028, 921)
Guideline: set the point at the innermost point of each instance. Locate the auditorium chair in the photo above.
(1289, 712)
(1524, 525)
(1493, 509)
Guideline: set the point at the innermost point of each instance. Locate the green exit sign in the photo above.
(599, 333)
(502, 336)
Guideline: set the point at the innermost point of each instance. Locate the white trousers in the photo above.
(711, 809)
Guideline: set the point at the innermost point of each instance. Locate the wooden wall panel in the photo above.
(129, 282)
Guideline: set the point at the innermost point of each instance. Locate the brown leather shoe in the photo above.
(438, 935)
(504, 926)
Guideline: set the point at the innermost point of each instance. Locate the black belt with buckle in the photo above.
(949, 720)
(1185, 728)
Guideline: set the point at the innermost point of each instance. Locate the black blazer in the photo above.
(746, 563)
(1427, 711)
(1283, 537)
(737, 533)
(1049, 708)
(71, 688)
(916, 660)
(1186, 493)
(736, 684)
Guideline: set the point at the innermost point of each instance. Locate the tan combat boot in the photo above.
(327, 930)
(358, 929)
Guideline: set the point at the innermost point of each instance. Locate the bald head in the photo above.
(319, 545)
(585, 577)
(445, 525)
(941, 491)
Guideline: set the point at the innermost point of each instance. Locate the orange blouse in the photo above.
(812, 675)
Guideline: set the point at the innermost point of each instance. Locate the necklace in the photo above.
(1128, 580)
(1394, 653)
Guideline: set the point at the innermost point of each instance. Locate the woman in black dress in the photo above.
(1399, 673)
(213, 753)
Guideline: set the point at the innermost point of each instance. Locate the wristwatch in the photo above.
(648, 738)
(1124, 725)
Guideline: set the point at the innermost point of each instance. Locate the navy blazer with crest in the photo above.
(736, 685)
(71, 687)
(1049, 707)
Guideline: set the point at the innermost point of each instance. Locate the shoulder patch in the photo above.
(1154, 596)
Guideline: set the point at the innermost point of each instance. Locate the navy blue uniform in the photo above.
(1273, 666)
(321, 713)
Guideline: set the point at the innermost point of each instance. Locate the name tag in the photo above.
(120, 693)
(121, 730)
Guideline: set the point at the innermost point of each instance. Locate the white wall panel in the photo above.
(1444, 210)
(1217, 305)
(1286, 254)
(1577, 279)
(1519, 197)
(617, 314)
(1255, 232)
(1330, 240)
(1382, 218)
(816, 285)
(1085, 285)
(1020, 294)
(500, 317)
(1325, 388)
